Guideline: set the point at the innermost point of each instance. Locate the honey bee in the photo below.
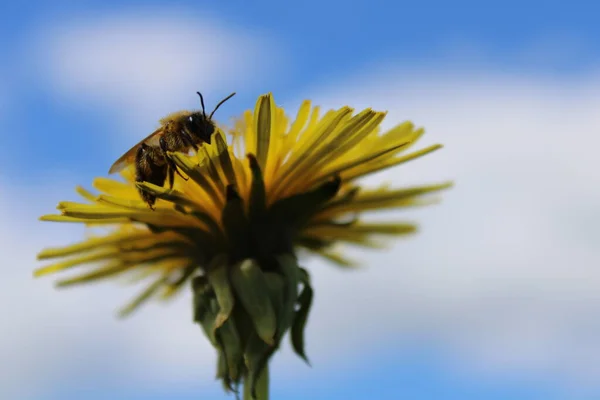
(179, 131)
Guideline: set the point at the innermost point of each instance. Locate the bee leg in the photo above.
(170, 163)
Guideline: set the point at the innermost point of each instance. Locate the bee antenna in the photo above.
(219, 105)
(202, 102)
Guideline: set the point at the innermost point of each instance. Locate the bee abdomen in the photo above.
(150, 166)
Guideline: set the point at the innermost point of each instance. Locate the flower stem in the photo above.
(262, 386)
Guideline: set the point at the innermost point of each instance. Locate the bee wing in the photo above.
(129, 157)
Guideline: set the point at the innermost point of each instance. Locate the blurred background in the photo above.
(497, 297)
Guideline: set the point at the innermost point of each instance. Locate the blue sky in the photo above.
(319, 42)
(496, 298)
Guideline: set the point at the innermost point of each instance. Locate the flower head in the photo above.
(234, 226)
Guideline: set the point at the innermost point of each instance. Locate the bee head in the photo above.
(200, 126)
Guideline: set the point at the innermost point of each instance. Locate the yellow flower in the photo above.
(235, 226)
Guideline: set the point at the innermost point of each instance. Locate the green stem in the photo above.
(262, 386)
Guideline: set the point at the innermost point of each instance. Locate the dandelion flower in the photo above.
(235, 226)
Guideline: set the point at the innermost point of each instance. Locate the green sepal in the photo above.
(205, 308)
(199, 284)
(230, 342)
(251, 288)
(276, 284)
(218, 277)
(289, 270)
(223, 372)
(301, 316)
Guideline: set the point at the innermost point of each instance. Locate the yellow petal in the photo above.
(134, 204)
(212, 193)
(380, 199)
(104, 272)
(119, 267)
(85, 194)
(170, 195)
(264, 118)
(366, 169)
(73, 262)
(94, 244)
(115, 188)
(337, 258)
(65, 218)
(352, 164)
(225, 160)
(166, 218)
(173, 288)
(142, 297)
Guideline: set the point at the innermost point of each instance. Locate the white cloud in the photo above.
(506, 270)
(148, 64)
(504, 273)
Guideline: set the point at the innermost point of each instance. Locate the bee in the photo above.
(179, 131)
